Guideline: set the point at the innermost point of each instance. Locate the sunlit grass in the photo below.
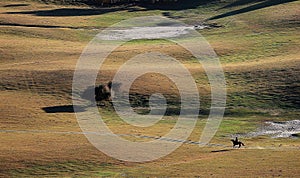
(259, 51)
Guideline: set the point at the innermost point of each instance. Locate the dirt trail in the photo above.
(189, 142)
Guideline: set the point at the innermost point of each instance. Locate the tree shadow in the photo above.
(180, 5)
(64, 12)
(240, 3)
(63, 109)
(133, 7)
(16, 5)
(36, 26)
(264, 4)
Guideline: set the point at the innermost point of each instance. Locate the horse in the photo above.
(100, 93)
(237, 142)
(105, 92)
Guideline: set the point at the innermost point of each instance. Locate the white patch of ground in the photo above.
(159, 32)
(279, 129)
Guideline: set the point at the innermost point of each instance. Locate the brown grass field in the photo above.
(259, 51)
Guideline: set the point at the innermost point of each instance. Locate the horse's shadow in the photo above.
(223, 150)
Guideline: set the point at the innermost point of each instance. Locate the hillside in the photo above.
(257, 43)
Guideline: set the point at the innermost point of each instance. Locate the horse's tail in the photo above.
(242, 143)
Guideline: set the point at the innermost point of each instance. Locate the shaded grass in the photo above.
(70, 168)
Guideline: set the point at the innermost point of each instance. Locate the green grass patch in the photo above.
(231, 126)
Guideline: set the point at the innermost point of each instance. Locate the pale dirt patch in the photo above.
(158, 32)
(282, 129)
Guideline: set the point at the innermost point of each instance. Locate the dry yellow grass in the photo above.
(36, 68)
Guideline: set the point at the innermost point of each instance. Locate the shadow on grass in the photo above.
(180, 5)
(63, 109)
(296, 135)
(130, 7)
(64, 12)
(241, 2)
(36, 26)
(264, 4)
(217, 151)
(16, 5)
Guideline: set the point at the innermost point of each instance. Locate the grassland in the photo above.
(41, 43)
